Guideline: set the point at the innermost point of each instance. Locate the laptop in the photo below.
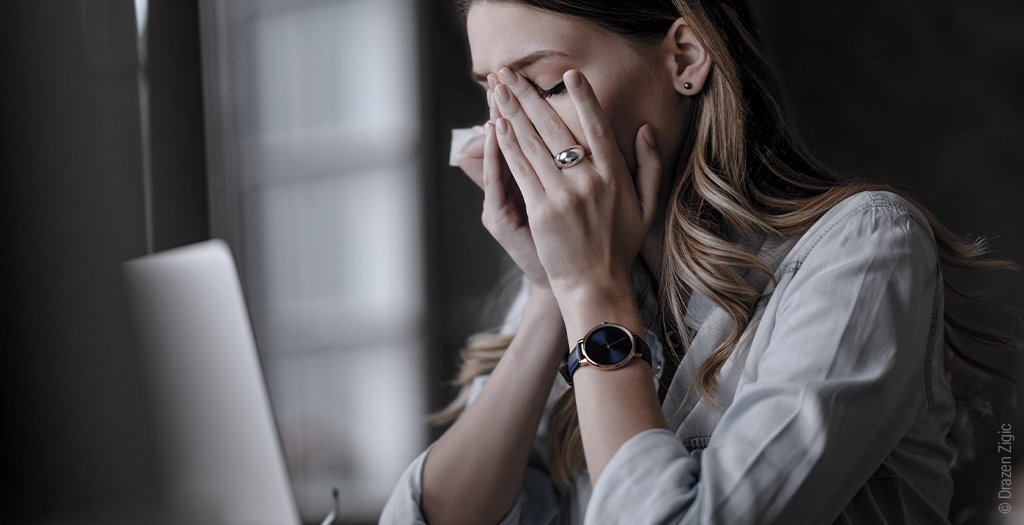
(221, 460)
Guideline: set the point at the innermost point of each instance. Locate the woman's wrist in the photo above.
(584, 308)
(542, 313)
(542, 296)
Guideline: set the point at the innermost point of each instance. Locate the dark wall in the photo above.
(922, 94)
(77, 443)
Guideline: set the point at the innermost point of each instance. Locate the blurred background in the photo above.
(313, 136)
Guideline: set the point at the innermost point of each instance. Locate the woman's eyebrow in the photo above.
(525, 61)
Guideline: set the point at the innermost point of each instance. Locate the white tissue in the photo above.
(460, 138)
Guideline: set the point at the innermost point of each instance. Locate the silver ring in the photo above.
(570, 157)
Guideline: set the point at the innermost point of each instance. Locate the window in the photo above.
(313, 138)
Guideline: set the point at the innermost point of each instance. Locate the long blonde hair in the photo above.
(746, 172)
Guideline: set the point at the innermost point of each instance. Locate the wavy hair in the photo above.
(747, 172)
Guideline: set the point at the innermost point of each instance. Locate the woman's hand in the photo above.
(589, 220)
(504, 211)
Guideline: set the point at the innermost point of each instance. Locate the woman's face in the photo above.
(634, 87)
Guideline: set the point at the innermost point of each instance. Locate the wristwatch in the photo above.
(607, 346)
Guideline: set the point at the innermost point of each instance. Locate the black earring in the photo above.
(687, 85)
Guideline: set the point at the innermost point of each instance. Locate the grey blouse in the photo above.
(833, 408)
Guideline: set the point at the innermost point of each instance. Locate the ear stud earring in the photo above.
(687, 85)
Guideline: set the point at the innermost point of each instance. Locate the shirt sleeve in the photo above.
(403, 506)
(837, 385)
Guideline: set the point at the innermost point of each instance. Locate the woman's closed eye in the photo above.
(548, 93)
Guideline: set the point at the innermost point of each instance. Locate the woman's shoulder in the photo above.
(867, 219)
(857, 203)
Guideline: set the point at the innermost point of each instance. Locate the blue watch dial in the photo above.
(608, 345)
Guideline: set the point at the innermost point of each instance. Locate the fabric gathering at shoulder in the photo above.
(848, 209)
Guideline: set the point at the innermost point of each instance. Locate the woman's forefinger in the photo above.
(492, 82)
(605, 152)
(494, 188)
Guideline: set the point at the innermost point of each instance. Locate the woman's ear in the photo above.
(689, 61)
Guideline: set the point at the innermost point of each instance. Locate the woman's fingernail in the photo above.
(508, 76)
(503, 94)
(573, 78)
(502, 125)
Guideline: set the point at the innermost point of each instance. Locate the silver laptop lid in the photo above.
(221, 459)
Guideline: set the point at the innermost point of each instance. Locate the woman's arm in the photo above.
(612, 406)
(474, 472)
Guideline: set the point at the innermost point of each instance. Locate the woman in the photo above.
(752, 340)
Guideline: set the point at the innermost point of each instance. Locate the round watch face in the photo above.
(608, 345)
